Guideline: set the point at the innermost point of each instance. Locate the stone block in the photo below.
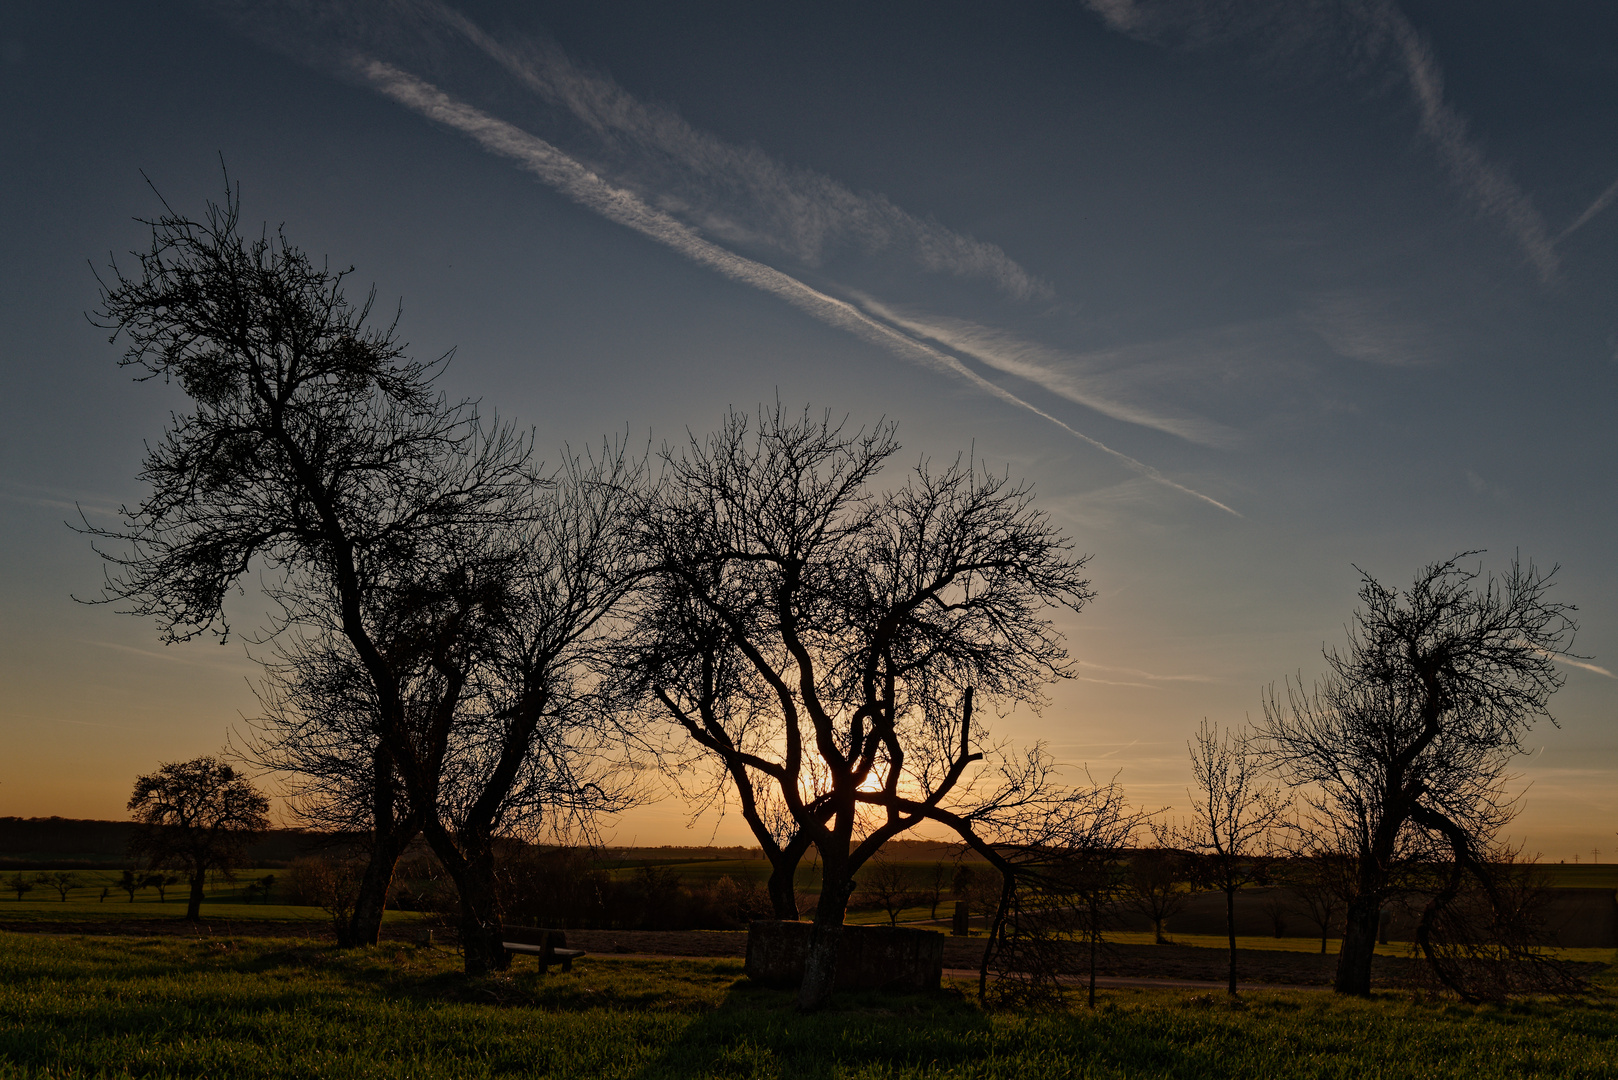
(900, 959)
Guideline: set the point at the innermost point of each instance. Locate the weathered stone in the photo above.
(868, 957)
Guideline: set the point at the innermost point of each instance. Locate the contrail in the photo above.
(1381, 28)
(1591, 211)
(1039, 364)
(1494, 191)
(738, 193)
(585, 187)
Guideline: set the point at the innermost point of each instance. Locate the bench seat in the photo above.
(549, 946)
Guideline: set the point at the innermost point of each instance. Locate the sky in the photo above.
(1256, 295)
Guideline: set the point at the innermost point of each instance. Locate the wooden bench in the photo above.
(550, 946)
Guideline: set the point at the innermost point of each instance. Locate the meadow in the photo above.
(222, 1007)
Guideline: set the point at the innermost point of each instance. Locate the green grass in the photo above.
(223, 900)
(111, 1007)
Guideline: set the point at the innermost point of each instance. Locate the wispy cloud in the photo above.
(741, 193)
(1138, 673)
(738, 194)
(1050, 369)
(188, 657)
(1367, 326)
(1488, 185)
(1377, 32)
(577, 182)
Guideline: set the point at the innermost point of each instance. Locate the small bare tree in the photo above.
(933, 883)
(63, 881)
(1322, 880)
(1062, 872)
(1235, 820)
(20, 885)
(1156, 884)
(886, 885)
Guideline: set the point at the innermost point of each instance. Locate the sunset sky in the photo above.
(1253, 293)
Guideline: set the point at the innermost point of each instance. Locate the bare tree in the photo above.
(1322, 880)
(20, 885)
(885, 884)
(933, 884)
(131, 882)
(1156, 885)
(314, 451)
(1062, 874)
(198, 816)
(1235, 819)
(500, 668)
(1402, 748)
(867, 617)
(536, 747)
(63, 881)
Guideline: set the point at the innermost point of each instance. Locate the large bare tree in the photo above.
(868, 617)
(508, 698)
(313, 450)
(1402, 748)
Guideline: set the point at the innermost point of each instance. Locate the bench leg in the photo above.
(567, 963)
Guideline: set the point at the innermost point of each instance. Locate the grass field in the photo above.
(113, 1007)
(222, 901)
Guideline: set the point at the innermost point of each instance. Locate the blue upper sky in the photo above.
(1253, 293)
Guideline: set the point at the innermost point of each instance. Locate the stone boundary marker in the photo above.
(868, 957)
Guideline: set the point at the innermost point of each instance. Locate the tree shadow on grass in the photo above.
(758, 1031)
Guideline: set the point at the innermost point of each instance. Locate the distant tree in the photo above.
(1062, 874)
(20, 885)
(329, 882)
(886, 885)
(1323, 881)
(934, 882)
(63, 881)
(198, 816)
(160, 882)
(821, 639)
(131, 882)
(1402, 748)
(1156, 885)
(1235, 823)
(259, 889)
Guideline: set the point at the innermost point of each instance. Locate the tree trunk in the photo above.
(1095, 932)
(480, 917)
(193, 907)
(783, 893)
(1230, 931)
(1359, 945)
(820, 966)
(1157, 932)
(365, 923)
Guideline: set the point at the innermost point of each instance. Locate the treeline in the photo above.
(58, 843)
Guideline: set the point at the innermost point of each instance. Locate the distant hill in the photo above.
(57, 843)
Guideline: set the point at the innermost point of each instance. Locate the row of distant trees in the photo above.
(465, 644)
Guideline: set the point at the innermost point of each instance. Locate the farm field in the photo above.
(110, 1007)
